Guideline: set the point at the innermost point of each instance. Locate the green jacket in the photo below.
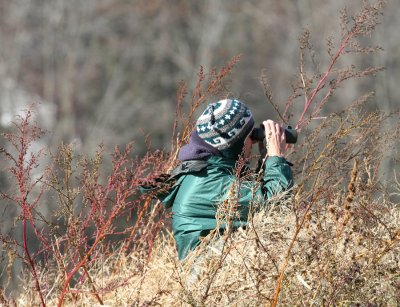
(195, 196)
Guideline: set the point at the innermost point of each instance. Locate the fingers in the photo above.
(275, 136)
(273, 128)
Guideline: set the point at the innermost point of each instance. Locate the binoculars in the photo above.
(258, 134)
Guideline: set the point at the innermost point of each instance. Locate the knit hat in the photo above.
(225, 124)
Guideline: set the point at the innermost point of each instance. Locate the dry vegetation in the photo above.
(333, 240)
(333, 245)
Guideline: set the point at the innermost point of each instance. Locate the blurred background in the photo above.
(108, 70)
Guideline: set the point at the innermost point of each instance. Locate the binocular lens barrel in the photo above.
(258, 134)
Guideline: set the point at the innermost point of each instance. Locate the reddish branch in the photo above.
(321, 82)
(106, 203)
(21, 169)
(364, 23)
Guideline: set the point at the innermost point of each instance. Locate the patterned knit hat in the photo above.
(225, 123)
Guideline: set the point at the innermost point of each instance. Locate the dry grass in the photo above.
(336, 260)
(333, 241)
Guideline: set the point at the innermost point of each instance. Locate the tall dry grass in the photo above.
(333, 241)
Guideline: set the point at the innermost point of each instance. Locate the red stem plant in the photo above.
(87, 212)
(90, 205)
(318, 88)
(23, 163)
(91, 210)
(76, 235)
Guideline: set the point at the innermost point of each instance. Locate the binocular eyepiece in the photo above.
(258, 134)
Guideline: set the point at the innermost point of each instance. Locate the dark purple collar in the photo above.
(197, 149)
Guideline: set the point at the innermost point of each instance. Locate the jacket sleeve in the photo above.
(277, 176)
(164, 194)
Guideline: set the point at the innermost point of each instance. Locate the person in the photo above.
(207, 171)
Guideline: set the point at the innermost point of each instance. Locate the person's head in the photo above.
(225, 125)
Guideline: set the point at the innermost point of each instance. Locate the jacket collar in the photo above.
(222, 161)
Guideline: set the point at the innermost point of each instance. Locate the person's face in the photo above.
(248, 145)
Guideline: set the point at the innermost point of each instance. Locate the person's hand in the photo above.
(275, 137)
